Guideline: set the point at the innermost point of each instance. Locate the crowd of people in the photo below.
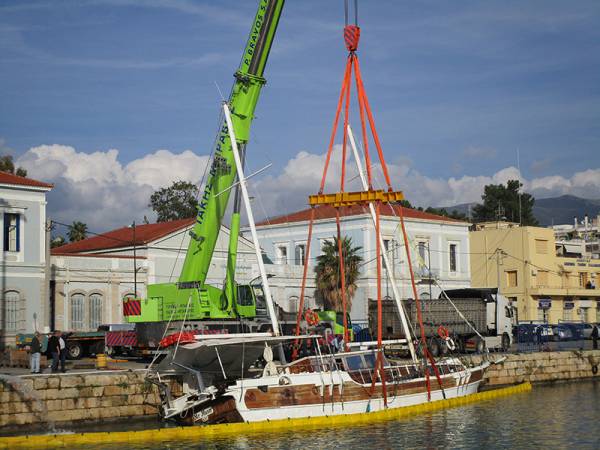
(56, 349)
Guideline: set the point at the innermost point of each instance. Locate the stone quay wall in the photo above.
(98, 396)
(77, 397)
(541, 367)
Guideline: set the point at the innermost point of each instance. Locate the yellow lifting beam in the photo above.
(355, 198)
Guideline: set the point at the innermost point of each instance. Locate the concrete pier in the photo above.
(541, 367)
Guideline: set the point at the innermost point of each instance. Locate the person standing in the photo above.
(54, 350)
(63, 352)
(595, 336)
(36, 353)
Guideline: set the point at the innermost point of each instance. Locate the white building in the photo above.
(91, 277)
(23, 256)
(439, 244)
(580, 239)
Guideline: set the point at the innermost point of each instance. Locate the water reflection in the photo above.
(559, 416)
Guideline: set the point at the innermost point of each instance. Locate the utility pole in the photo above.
(429, 267)
(134, 263)
(499, 255)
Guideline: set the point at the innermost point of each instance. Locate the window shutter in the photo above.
(541, 246)
(18, 227)
(6, 229)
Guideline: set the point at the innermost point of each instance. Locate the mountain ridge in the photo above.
(552, 210)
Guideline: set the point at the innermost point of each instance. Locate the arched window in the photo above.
(95, 311)
(12, 299)
(77, 309)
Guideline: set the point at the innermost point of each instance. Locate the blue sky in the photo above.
(456, 87)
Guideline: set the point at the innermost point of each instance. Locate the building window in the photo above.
(511, 278)
(422, 251)
(95, 311)
(583, 279)
(542, 278)
(12, 300)
(77, 305)
(12, 231)
(541, 246)
(282, 254)
(300, 254)
(452, 254)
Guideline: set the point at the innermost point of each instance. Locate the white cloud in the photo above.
(99, 190)
(105, 193)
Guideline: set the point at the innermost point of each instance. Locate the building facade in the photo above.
(90, 278)
(581, 239)
(23, 258)
(439, 250)
(524, 264)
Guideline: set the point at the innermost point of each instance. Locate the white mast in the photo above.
(390, 273)
(242, 181)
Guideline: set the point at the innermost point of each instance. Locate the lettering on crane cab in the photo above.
(255, 32)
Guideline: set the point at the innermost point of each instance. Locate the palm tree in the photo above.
(77, 231)
(328, 280)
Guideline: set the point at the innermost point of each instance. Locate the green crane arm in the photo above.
(222, 175)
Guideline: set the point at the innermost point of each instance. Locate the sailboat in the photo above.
(215, 379)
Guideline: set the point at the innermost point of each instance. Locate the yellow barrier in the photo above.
(211, 431)
(101, 361)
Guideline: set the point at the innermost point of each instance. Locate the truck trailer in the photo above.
(489, 313)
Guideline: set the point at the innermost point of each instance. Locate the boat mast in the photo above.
(397, 298)
(246, 198)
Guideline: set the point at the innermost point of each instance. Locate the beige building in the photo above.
(523, 261)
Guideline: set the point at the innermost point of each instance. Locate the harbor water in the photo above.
(564, 415)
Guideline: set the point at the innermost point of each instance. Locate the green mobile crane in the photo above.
(190, 298)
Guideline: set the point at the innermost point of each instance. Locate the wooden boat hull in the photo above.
(320, 394)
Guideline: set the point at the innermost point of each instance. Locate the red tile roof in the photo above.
(123, 237)
(328, 212)
(9, 178)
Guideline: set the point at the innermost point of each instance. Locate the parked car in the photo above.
(534, 332)
(576, 329)
(561, 332)
(587, 330)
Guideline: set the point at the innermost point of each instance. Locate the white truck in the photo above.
(490, 313)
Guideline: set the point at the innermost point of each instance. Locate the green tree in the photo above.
(328, 280)
(502, 203)
(444, 212)
(177, 201)
(77, 231)
(7, 165)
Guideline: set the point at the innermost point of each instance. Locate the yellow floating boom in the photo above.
(235, 429)
(355, 198)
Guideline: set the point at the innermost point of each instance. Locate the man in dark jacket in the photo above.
(595, 334)
(35, 353)
(54, 350)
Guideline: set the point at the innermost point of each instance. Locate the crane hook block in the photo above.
(351, 37)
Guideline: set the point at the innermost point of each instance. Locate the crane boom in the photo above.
(190, 297)
(242, 102)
